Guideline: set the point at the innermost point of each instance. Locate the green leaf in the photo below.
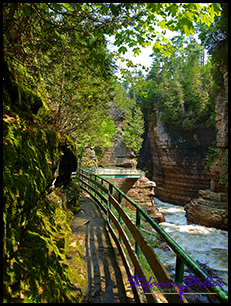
(157, 46)
(122, 49)
(173, 9)
(162, 24)
(205, 19)
(136, 51)
(217, 8)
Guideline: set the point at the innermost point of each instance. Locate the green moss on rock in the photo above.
(35, 224)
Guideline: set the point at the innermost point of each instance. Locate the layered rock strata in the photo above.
(178, 160)
(211, 208)
(141, 191)
(118, 156)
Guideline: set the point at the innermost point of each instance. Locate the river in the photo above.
(208, 246)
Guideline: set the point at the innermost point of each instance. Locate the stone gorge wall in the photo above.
(211, 208)
(117, 155)
(175, 160)
(178, 160)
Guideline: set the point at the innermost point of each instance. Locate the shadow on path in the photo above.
(104, 279)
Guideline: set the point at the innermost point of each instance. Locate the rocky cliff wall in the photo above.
(117, 155)
(211, 208)
(178, 160)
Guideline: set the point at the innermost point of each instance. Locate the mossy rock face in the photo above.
(36, 272)
(35, 224)
(36, 230)
(21, 96)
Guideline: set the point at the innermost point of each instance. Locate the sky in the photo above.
(144, 58)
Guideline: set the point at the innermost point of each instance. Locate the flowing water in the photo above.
(206, 245)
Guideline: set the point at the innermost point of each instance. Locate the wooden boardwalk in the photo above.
(104, 272)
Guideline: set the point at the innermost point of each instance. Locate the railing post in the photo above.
(179, 273)
(120, 219)
(138, 215)
(90, 183)
(109, 203)
(101, 191)
(95, 185)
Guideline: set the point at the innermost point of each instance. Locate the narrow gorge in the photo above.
(174, 158)
(72, 101)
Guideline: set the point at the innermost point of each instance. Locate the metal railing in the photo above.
(116, 171)
(103, 193)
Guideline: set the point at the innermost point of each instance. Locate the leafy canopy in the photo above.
(63, 48)
(180, 17)
(133, 24)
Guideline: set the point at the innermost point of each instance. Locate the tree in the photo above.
(133, 125)
(63, 48)
(179, 87)
(121, 98)
(170, 97)
(133, 128)
(181, 17)
(215, 40)
(131, 23)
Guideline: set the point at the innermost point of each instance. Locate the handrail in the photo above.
(182, 256)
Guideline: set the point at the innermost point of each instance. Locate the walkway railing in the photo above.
(101, 191)
(116, 172)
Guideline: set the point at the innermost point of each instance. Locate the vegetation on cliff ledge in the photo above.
(180, 89)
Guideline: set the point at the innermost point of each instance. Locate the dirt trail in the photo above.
(102, 279)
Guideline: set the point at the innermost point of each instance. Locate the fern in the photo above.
(212, 155)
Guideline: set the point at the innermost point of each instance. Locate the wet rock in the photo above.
(210, 209)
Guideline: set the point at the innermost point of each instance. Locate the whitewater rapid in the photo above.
(208, 246)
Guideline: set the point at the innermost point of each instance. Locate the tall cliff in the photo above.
(118, 155)
(211, 207)
(177, 159)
